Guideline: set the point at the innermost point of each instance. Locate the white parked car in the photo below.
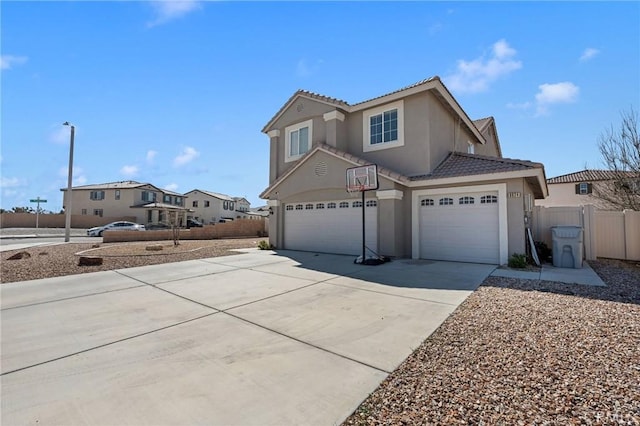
(115, 226)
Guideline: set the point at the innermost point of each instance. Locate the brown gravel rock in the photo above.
(524, 352)
(63, 259)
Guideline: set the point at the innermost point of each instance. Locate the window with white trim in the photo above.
(466, 200)
(488, 199)
(426, 202)
(298, 140)
(471, 149)
(446, 201)
(383, 126)
(98, 212)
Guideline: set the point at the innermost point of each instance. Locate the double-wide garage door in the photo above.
(460, 227)
(330, 226)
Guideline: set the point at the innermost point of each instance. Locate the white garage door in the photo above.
(330, 226)
(460, 227)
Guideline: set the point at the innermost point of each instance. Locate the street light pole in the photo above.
(67, 208)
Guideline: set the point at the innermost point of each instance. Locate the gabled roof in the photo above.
(460, 164)
(125, 184)
(213, 194)
(483, 124)
(432, 83)
(356, 161)
(154, 205)
(590, 176)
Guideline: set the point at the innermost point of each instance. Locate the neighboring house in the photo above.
(211, 207)
(148, 203)
(577, 189)
(445, 192)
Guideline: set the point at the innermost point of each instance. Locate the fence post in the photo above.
(589, 220)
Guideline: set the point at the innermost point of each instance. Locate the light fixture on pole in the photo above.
(67, 207)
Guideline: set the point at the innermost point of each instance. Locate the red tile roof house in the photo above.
(577, 189)
(445, 191)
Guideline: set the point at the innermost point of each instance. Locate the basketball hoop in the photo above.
(360, 179)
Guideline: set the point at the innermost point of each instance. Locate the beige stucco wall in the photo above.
(490, 147)
(564, 195)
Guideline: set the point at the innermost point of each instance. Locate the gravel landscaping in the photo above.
(62, 259)
(524, 352)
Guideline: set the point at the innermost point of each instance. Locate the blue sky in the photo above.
(176, 93)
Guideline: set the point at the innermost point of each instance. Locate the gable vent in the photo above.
(321, 169)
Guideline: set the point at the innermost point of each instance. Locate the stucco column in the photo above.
(274, 152)
(331, 119)
(390, 213)
(276, 216)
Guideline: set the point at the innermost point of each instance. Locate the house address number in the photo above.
(514, 194)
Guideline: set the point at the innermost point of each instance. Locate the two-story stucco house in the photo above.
(211, 207)
(445, 192)
(580, 188)
(148, 203)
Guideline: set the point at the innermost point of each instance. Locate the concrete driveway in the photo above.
(264, 338)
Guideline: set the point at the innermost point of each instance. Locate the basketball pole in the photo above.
(363, 229)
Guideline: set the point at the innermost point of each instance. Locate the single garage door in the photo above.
(330, 226)
(460, 227)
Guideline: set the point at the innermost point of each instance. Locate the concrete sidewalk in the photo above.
(259, 338)
(584, 276)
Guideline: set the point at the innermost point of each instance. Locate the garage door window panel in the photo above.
(446, 201)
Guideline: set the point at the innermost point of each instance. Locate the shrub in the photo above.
(518, 261)
(264, 245)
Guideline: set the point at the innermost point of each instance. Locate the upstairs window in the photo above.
(298, 140)
(206, 203)
(167, 199)
(117, 194)
(178, 201)
(96, 195)
(194, 203)
(383, 127)
(471, 148)
(584, 188)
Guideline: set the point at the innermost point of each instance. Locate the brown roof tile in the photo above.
(589, 176)
(460, 164)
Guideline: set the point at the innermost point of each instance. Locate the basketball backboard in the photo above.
(363, 178)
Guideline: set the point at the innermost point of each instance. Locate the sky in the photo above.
(176, 93)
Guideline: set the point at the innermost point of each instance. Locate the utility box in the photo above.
(567, 246)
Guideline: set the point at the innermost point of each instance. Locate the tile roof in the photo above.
(589, 176)
(112, 185)
(214, 194)
(461, 164)
(411, 86)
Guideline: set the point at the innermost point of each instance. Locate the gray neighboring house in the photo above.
(445, 191)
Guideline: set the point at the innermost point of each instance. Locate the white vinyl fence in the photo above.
(609, 234)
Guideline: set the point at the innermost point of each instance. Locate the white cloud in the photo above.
(166, 11)
(187, 155)
(564, 92)
(171, 187)
(589, 53)
(129, 171)
(151, 155)
(476, 76)
(60, 134)
(8, 61)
